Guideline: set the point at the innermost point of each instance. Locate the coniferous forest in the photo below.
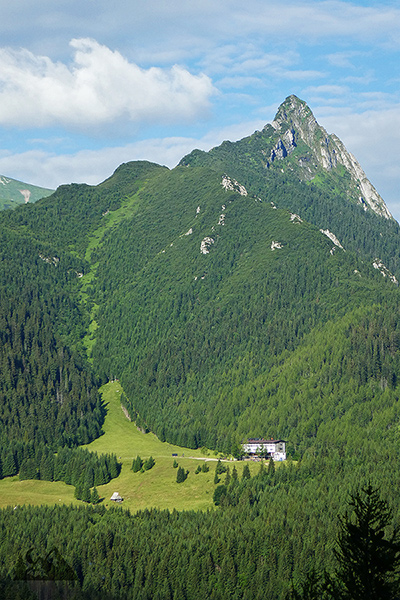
(226, 313)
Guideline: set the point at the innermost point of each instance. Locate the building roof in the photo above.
(262, 441)
(115, 496)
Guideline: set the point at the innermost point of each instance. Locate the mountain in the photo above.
(334, 194)
(247, 292)
(13, 192)
(295, 126)
(207, 291)
(201, 284)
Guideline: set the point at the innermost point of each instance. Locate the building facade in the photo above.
(275, 449)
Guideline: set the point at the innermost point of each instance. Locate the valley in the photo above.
(250, 291)
(156, 488)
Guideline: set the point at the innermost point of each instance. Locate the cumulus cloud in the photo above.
(99, 87)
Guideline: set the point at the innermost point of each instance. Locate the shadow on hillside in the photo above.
(50, 590)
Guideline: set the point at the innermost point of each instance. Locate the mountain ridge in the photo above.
(183, 275)
(229, 300)
(334, 193)
(295, 125)
(14, 192)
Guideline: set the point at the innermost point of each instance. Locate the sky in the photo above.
(87, 85)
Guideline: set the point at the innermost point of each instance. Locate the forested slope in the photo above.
(48, 390)
(284, 164)
(207, 297)
(192, 334)
(224, 317)
(268, 531)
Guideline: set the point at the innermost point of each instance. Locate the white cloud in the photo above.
(99, 87)
(344, 60)
(334, 90)
(317, 20)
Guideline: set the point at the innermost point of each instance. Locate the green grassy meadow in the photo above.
(156, 488)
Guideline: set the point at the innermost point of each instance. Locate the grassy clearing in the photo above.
(14, 492)
(156, 488)
(128, 208)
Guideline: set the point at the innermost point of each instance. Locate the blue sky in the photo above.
(86, 85)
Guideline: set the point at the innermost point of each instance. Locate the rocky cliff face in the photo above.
(294, 125)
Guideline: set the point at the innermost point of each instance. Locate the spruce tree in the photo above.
(114, 467)
(86, 496)
(28, 469)
(9, 466)
(246, 472)
(45, 470)
(180, 475)
(137, 464)
(271, 467)
(368, 559)
(149, 463)
(220, 468)
(89, 476)
(234, 477)
(219, 493)
(94, 497)
(227, 477)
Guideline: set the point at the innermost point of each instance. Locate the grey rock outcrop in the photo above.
(295, 123)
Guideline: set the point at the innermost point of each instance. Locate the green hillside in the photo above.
(211, 294)
(185, 330)
(14, 193)
(285, 165)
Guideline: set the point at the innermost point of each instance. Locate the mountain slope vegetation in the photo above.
(250, 291)
(296, 164)
(185, 329)
(13, 193)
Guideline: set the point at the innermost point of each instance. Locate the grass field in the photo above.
(155, 488)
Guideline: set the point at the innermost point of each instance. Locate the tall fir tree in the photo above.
(246, 472)
(368, 558)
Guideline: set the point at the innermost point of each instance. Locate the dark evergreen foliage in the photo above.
(149, 463)
(264, 534)
(137, 464)
(300, 341)
(368, 559)
(181, 475)
(219, 493)
(246, 472)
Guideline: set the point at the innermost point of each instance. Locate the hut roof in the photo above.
(115, 496)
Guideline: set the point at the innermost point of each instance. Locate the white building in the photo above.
(116, 497)
(275, 449)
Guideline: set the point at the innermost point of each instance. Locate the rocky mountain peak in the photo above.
(294, 123)
(294, 114)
